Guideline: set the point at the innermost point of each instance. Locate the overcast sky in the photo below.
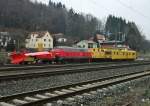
(132, 10)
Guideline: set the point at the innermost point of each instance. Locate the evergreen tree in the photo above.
(117, 28)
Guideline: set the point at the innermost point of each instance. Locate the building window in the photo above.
(83, 46)
(44, 40)
(49, 40)
(49, 45)
(90, 45)
(44, 45)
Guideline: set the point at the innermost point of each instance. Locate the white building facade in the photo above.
(86, 44)
(39, 40)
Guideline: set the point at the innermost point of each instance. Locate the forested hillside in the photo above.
(27, 16)
(128, 32)
(53, 17)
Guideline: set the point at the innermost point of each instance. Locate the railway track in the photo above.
(42, 66)
(47, 96)
(6, 75)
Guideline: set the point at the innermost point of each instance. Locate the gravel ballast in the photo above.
(26, 85)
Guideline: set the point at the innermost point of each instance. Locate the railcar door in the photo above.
(108, 54)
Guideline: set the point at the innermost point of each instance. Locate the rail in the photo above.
(43, 66)
(38, 98)
(42, 73)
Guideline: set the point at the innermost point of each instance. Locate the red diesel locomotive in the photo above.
(70, 54)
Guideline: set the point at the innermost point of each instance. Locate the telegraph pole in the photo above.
(18, 44)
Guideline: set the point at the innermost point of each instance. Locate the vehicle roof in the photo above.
(67, 48)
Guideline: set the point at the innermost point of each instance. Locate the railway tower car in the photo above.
(99, 54)
(123, 54)
(112, 54)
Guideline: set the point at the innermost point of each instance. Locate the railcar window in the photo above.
(108, 52)
(102, 50)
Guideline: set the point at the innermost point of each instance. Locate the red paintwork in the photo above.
(40, 55)
(17, 58)
(62, 53)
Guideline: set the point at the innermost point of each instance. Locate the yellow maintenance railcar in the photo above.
(113, 54)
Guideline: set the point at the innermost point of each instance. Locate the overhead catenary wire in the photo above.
(133, 9)
(97, 5)
(124, 5)
(129, 7)
(120, 2)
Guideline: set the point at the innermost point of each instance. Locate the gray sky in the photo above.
(132, 10)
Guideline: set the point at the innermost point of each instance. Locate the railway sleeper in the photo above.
(103, 91)
(30, 99)
(6, 104)
(41, 96)
(18, 101)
